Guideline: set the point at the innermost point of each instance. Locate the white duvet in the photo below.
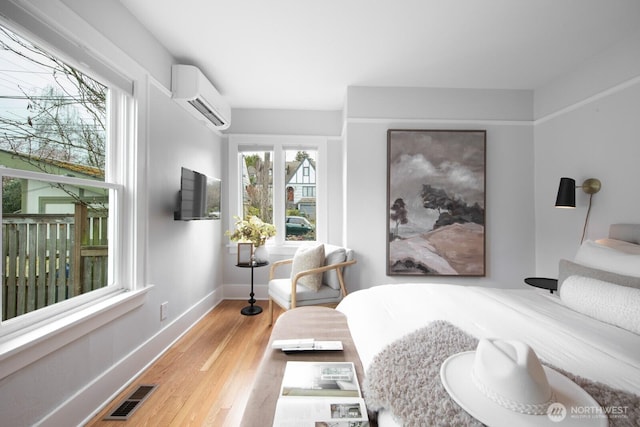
(560, 336)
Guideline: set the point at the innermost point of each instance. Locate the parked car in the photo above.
(298, 225)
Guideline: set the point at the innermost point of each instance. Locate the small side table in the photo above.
(252, 309)
(543, 283)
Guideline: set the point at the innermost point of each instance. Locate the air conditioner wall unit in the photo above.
(191, 89)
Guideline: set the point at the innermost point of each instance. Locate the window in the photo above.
(280, 179)
(58, 187)
(300, 179)
(308, 191)
(257, 184)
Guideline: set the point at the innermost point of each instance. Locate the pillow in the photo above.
(333, 255)
(604, 301)
(626, 232)
(602, 257)
(567, 268)
(620, 245)
(306, 258)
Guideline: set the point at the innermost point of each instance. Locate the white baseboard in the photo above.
(100, 392)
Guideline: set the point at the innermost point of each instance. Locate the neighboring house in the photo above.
(301, 187)
(39, 197)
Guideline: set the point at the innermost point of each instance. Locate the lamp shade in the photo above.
(566, 193)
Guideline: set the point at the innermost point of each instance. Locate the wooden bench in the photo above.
(320, 323)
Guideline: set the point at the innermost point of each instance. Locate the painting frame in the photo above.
(436, 202)
(245, 253)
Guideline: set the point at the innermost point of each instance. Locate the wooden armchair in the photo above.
(288, 293)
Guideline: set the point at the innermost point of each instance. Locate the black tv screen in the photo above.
(199, 196)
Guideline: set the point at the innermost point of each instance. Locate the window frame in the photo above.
(29, 337)
(115, 191)
(278, 144)
(306, 189)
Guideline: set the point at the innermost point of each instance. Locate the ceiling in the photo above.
(299, 54)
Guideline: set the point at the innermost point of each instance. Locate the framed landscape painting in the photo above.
(436, 202)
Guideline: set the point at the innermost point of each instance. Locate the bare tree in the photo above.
(259, 188)
(65, 122)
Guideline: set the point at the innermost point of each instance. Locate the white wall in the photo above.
(506, 115)
(184, 256)
(182, 259)
(258, 121)
(587, 126)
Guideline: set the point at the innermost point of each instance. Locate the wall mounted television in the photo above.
(199, 196)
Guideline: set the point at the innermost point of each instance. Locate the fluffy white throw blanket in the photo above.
(405, 379)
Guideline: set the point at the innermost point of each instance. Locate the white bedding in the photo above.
(560, 336)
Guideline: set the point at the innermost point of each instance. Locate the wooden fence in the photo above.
(48, 259)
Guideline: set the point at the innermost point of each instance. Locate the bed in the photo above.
(591, 345)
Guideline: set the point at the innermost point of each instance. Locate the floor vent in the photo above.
(128, 406)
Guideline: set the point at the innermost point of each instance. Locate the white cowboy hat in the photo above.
(503, 383)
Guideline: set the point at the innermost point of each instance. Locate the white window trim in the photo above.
(37, 338)
(278, 144)
(29, 337)
(25, 347)
(27, 320)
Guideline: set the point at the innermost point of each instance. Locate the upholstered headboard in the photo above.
(627, 232)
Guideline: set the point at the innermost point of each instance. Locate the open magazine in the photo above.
(320, 394)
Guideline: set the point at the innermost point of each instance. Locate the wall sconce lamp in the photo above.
(567, 195)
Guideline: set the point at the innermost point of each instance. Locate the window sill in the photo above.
(286, 249)
(24, 348)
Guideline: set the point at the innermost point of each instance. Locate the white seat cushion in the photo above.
(280, 291)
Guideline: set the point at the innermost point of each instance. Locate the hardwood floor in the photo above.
(206, 377)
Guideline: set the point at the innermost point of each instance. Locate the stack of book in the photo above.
(306, 344)
(318, 394)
